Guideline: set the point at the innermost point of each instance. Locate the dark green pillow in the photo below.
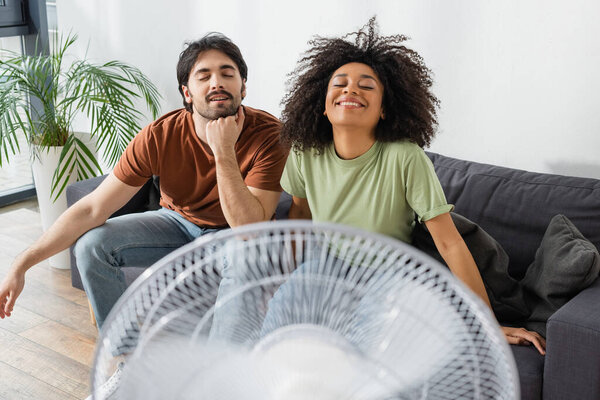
(565, 264)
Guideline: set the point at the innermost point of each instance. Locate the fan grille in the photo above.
(410, 328)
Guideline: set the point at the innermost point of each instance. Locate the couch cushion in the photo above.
(515, 206)
(283, 206)
(530, 366)
(564, 265)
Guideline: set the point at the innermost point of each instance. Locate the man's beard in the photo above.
(224, 110)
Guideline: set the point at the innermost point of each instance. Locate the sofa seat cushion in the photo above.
(530, 366)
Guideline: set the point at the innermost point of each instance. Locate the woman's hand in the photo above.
(523, 337)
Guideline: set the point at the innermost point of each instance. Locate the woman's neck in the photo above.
(350, 143)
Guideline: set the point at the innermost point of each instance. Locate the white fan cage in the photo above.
(312, 310)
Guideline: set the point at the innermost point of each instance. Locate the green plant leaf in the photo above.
(60, 89)
(65, 168)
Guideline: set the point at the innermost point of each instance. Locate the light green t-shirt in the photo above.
(379, 191)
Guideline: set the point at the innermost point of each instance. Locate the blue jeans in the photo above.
(241, 303)
(246, 313)
(130, 240)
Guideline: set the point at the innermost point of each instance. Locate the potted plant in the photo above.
(41, 95)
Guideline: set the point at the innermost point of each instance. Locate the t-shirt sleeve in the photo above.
(424, 192)
(268, 166)
(292, 180)
(136, 164)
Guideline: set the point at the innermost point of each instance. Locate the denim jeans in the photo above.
(130, 240)
(241, 304)
(247, 313)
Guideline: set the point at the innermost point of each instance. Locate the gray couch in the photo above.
(514, 207)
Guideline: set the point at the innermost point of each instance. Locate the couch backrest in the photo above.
(516, 206)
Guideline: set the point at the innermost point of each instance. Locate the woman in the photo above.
(357, 116)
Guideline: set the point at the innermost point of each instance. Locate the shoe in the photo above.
(108, 388)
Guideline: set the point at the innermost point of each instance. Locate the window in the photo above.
(15, 175)
(13, 18)
(16, 182)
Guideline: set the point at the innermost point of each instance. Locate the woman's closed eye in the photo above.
(365, 86)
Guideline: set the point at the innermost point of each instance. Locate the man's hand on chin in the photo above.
(223, 133)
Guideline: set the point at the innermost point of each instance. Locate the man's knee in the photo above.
(89, 246)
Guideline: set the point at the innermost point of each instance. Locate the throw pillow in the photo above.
(565, 264)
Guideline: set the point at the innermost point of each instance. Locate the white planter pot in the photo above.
(43, 170)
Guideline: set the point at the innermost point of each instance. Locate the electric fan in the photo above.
(301, 310)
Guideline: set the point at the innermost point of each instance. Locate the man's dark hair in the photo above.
(409, 106)
(211, 41)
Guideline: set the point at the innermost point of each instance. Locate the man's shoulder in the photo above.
(259, 120)
(173, 124)
(260, 135)
(168, 120)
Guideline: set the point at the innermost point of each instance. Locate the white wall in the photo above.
(519, 80)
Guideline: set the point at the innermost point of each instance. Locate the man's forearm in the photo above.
(239, 205)
(63, 233)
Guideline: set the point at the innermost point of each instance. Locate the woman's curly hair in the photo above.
(409, 105)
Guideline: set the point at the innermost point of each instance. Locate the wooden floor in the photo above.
(47, 345)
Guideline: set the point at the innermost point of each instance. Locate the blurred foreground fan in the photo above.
(311, 311)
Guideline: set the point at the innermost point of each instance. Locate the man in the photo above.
(219, 165)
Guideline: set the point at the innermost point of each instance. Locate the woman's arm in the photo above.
(455, 252)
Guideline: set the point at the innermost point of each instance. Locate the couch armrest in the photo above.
(145, 199)
(78, 190)
(572, 367)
